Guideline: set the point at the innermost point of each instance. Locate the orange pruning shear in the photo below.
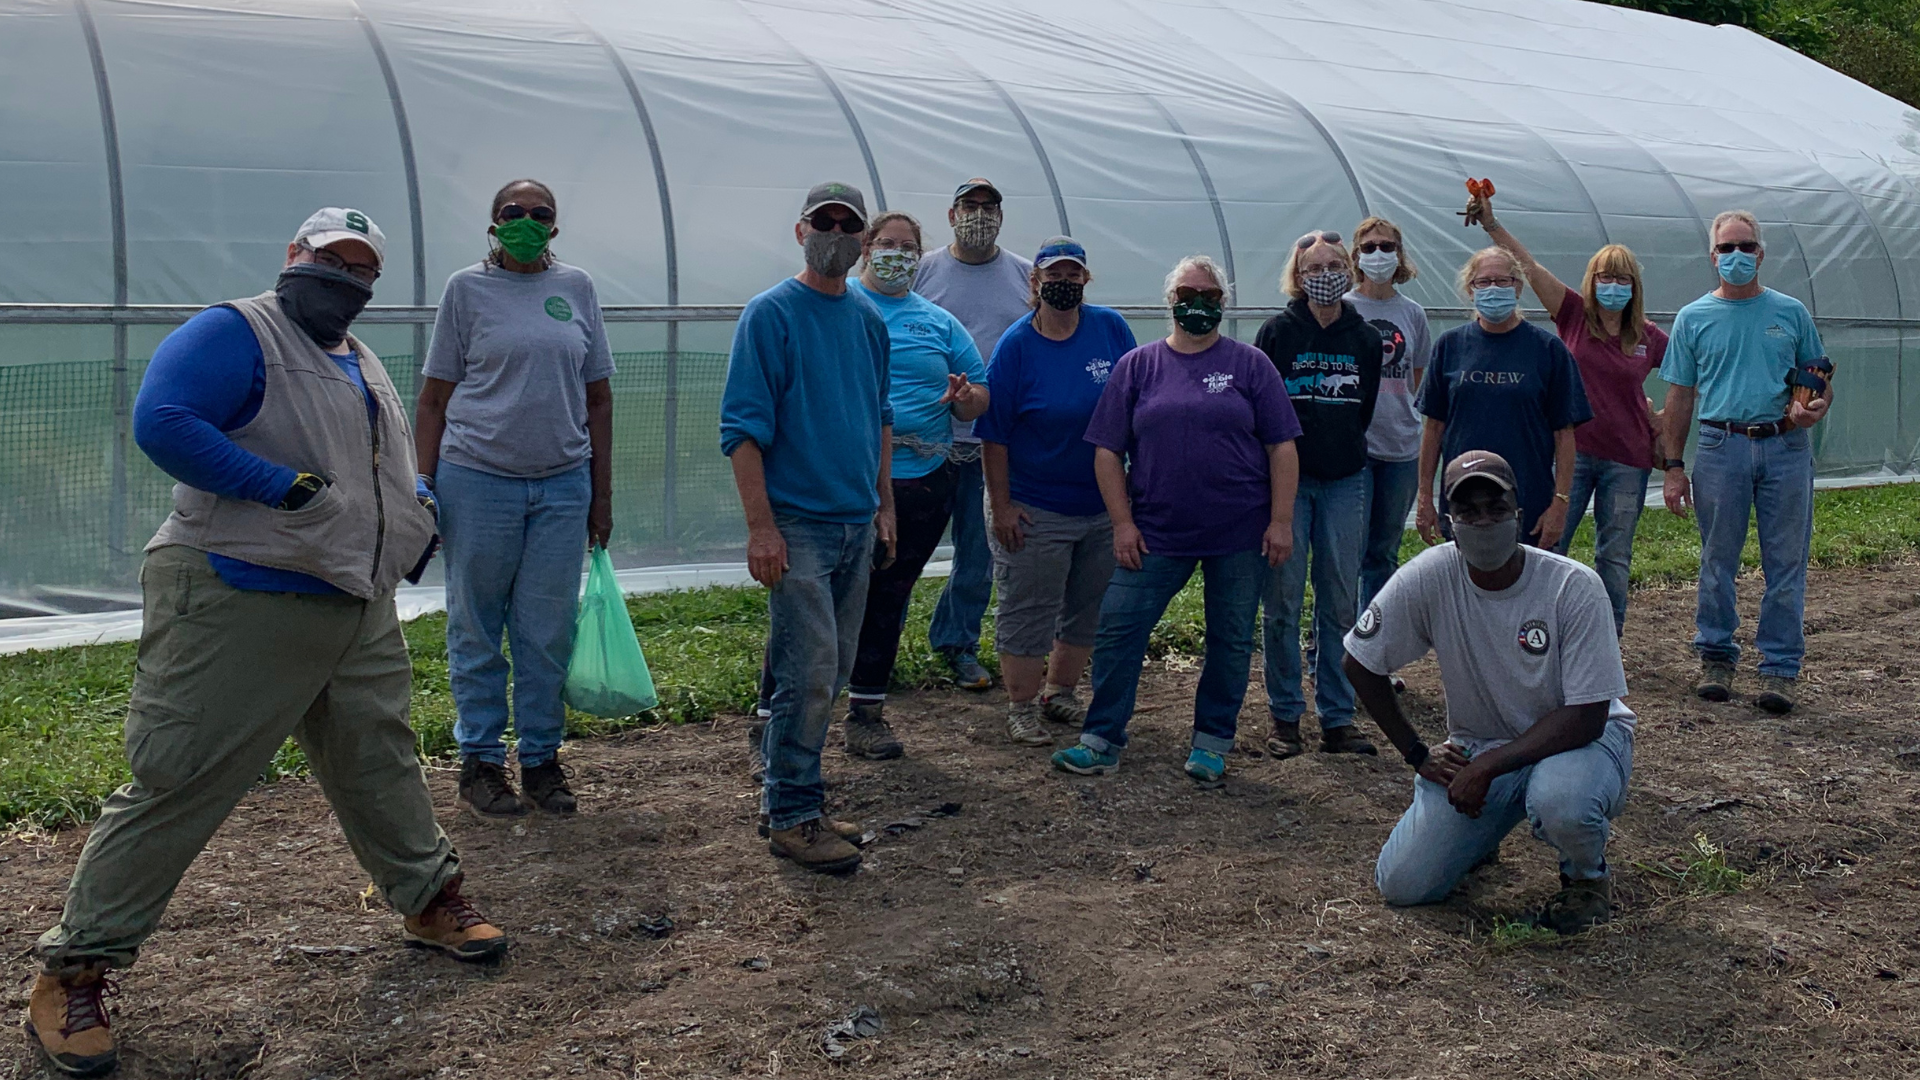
(1479, 189)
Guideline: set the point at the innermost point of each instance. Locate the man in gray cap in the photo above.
(987, 288)
(268, 613)
(1535, 725)
(806, 422)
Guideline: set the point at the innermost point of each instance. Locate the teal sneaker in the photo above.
(1206, 767)
(1086, 761)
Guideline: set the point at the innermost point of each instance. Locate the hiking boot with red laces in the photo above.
(68, 1016)
(545, 787)
(815, 847)
(487, 794)
(454, 926)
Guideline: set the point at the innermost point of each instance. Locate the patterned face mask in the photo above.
(1328, 287)
(976, 230)
(1062, 295)
(894, 268)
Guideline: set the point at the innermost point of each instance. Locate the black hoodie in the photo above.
(1333, 377)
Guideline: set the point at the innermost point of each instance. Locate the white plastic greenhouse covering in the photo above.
(157, 155)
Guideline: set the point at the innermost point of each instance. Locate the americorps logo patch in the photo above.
(1369, 622)
(558, 307)
(1534, 637)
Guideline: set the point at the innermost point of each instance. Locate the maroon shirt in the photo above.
(1620, 430)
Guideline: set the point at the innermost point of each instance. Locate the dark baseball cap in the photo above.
(976, 184)
(1059, 248)
(835, 193)
(1478, 464)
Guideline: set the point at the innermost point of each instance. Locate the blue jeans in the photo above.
(956, 618)
(1133, 605)
(1329, 523)
(1391, 486)
(1773, 480)
(513, 550)
(813, 618)
(1570, 798)
(1619, 493)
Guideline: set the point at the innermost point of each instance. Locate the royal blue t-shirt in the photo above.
(1506, 393)
(1041, 395)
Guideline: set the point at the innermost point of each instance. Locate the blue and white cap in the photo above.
(1059, 248)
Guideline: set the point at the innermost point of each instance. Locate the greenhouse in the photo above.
(159, 155)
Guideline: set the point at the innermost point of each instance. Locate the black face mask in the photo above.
(1062, 295)
(321, 300)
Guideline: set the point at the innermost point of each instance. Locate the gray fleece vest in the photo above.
(365, 530)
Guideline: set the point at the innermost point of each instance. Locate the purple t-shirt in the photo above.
(1196, 428)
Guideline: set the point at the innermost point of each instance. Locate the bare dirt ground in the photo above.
(1058, 927)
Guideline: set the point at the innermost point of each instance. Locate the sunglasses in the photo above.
(1311, 239)
(822, 221)
(1187, 294)
(1372, 246)
(1748, 246)
(366, 272)
(514, 212)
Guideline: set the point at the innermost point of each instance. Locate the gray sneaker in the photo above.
(1716, 681)
(868, 734)
(1024, 727)
(1064, 708)
(1776, 695)
(967, 672)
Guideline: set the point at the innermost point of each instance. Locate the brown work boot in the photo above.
(1579, 905)
(815, 847)
(1776, 695)
(850, 831)
(1285, 742)
(1716, 681)
(868, 734)
(486, 793)
(1345, 739)
(545, 787)
(454, 926)
(68, 1016)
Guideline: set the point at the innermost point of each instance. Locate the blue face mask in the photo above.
(1612, 295)
(1495, 304)
(1738, 267)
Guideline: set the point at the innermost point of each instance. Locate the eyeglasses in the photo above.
(977, 204)
(1313, 238)
(366, 272)
(1372, 246)
(1322, 268)
(1728, 246)
(514, 212)
(1494, 282)
(1187, 294)
(823, 220)
(888, 243)
(1612, 279)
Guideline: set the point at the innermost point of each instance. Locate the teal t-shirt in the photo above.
(1736, 354)
(925, 344)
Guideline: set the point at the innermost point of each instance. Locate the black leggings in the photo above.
(921, 509)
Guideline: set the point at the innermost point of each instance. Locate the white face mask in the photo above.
(1379, 266)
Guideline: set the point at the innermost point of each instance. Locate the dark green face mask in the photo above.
(1198, 316)
(523, 238)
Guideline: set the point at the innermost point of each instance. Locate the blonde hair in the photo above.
(1407, 271)
(1616, 260)
(1470, 271)
(1290, 274)
(1746, 216)
(1204, 262)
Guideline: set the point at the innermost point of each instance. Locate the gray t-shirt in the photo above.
(1394, 434)
(1507, 658)
(986, 298)
(521, 349)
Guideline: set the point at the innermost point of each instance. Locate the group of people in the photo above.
(886, 394)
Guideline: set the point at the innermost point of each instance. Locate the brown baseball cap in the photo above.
(1478, 464)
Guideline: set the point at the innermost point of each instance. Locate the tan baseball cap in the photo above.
(332, 224)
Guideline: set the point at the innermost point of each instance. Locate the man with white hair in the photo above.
(268, 614)
(1750, 360)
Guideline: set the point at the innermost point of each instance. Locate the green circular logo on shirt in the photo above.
(558, 307)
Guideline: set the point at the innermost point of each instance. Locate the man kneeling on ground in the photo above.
(1535, 725)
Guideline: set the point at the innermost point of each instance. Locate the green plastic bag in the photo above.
(608, 676)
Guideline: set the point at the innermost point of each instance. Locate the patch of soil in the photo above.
(1129, 926)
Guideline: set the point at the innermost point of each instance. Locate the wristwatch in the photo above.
(1417, 756)
(1674, 463)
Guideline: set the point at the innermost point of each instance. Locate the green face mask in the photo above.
(523, 238)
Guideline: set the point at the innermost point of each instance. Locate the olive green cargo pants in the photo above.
(224, 677)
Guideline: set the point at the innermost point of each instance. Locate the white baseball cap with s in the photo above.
(332, 224)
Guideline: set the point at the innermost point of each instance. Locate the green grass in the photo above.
(1701, 870)
(1519, 933)
(61, 710)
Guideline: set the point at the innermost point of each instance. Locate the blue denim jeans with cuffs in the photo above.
(1771, 480)
(1329, 526)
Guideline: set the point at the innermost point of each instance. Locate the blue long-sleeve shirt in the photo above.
(206, 379)
(808, 383)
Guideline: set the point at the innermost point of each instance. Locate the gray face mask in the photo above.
(832, 254)
(1488, 547)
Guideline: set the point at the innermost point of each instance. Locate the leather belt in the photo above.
(1752, 431)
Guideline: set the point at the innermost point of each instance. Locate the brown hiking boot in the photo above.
(850, 831)
(868, 734)
(1776, 695)
(1345, 739)
(454, 926)
(1579, 905)
(487, 794)
(1285, 740)
(815, 847)
(545, 787)
(67, 1015)
(1716, 681)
